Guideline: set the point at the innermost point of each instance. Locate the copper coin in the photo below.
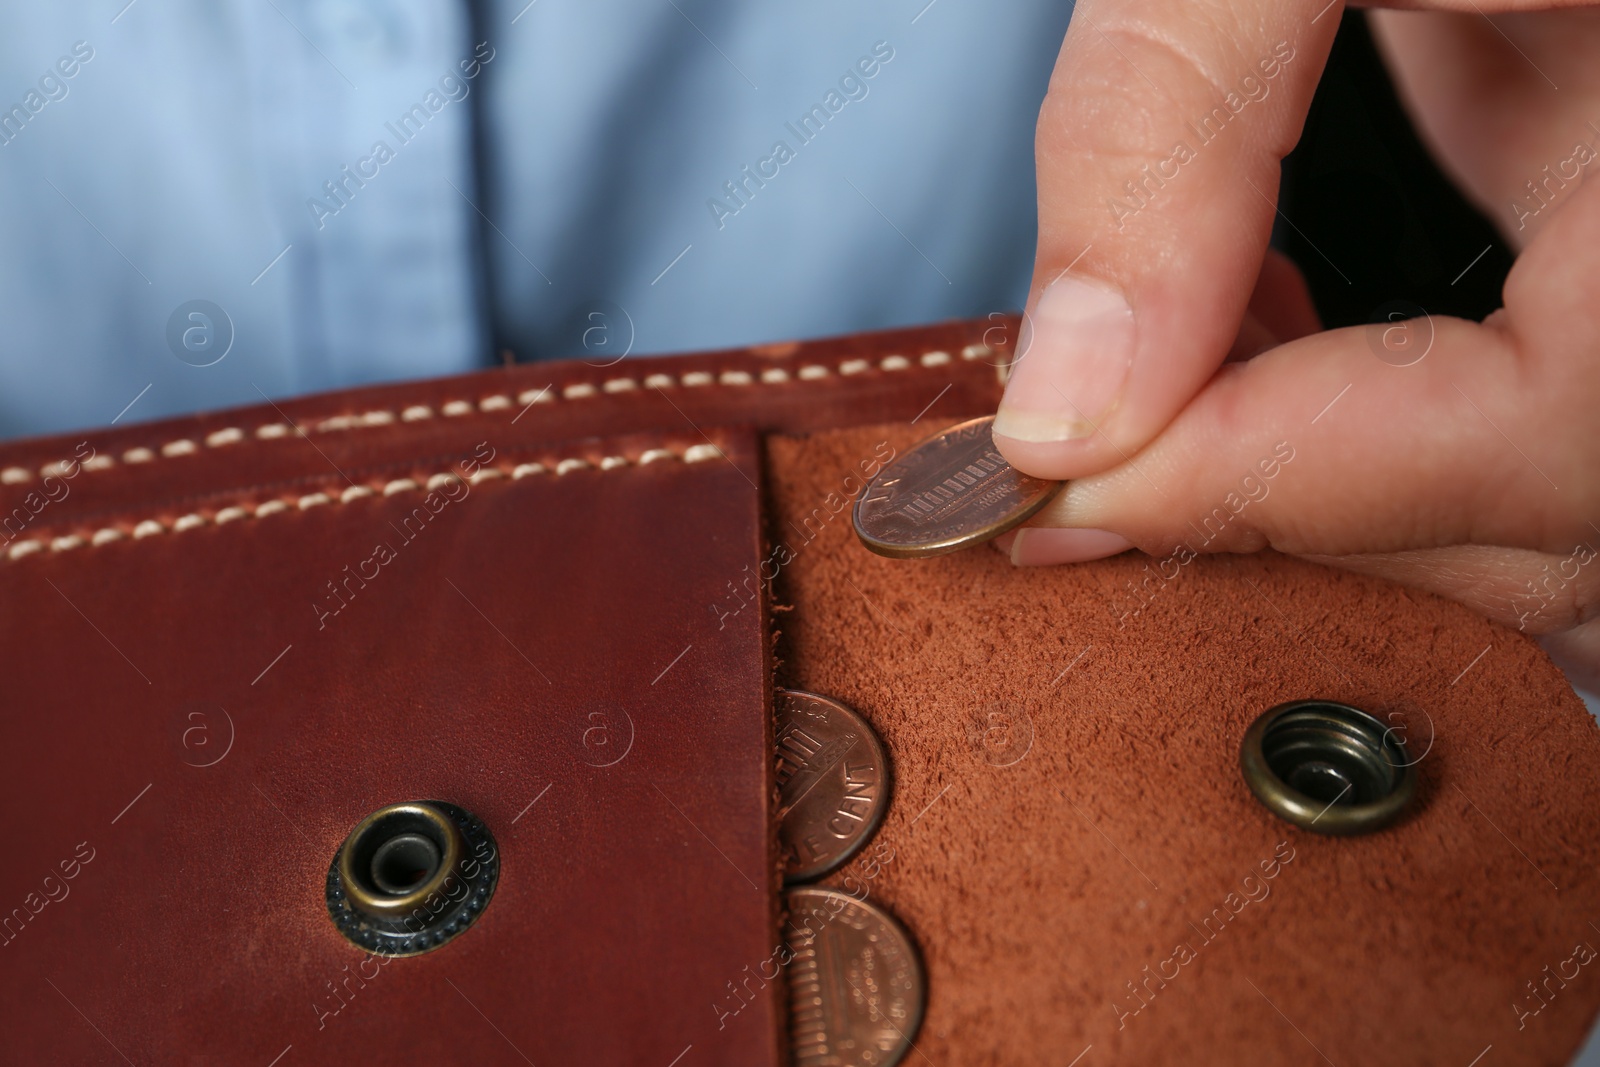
(833, 783)
(856, 986)
(950, 491)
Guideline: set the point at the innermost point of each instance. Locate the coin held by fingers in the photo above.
(953, 490)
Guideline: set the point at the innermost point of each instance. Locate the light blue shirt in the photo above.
(648, 176)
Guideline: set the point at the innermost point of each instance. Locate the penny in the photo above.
(833, 783)
(950, 491)
(856, 986)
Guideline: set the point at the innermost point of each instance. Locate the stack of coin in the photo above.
(856, 986)
(951, 491)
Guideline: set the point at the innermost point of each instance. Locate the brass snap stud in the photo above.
(411, 876)
(1327, 767)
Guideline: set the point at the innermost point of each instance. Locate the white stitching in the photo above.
(701, 453)
(232, 435)
(150, 527)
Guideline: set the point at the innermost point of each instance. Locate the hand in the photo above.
(1471, 472)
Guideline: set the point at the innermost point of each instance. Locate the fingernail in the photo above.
(1036, 546)
(1076, 365)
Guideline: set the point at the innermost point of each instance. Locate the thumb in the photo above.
(1158, 152)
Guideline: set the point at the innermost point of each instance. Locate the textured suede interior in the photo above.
(1072, 845)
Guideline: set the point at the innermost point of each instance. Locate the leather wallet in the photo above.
(559, 596)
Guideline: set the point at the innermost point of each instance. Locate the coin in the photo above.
(950, 491)
(856, 987)
(833, 783)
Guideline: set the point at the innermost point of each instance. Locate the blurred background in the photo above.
(555, 196)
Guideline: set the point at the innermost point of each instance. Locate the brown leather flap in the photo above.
(1075, 848)
(528, 636)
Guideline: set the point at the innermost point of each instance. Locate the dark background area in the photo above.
(1371, 220)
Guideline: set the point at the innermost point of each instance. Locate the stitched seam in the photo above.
(224, 516)
(573, 391)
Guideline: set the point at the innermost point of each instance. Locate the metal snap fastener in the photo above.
(411, 876)
(1327, 767)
